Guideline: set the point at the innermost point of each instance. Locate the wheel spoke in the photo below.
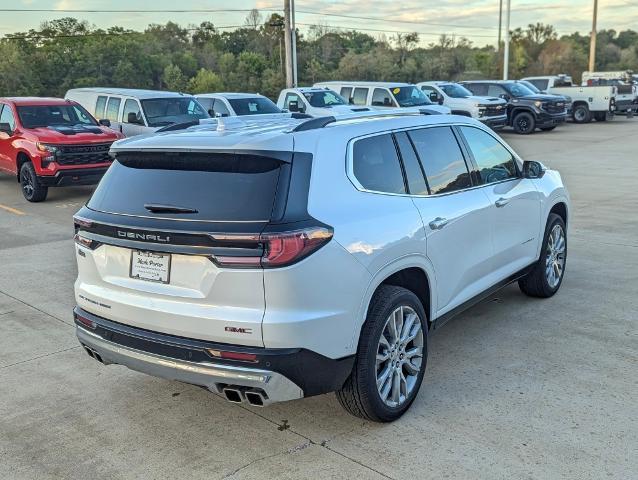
(396, 387)
(382, 357)
(381, 379)
(407, 328)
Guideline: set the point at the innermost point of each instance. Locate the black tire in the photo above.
(524, 123)
(581, 114)
(536, 283)
(600, 116)
(31, 189)
(359, 395)
(548, 129)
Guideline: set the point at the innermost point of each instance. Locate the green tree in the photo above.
(205, 82)
(173, 78)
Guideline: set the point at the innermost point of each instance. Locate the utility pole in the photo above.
(500, 23)
(293, 33)
(592, 44)
(506, 49)
(290, 80)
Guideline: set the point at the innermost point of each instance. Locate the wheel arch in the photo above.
(21, 158)
(560, 208)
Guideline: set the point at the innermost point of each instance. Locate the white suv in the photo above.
(280, 259)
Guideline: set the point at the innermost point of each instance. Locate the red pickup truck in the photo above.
(51, 142)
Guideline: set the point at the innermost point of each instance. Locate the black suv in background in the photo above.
(526, 110)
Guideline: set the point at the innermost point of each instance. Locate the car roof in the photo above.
(22, 101)
(367, 84)
(228, 95)
(132, 92)
(309, 89)
(277, 133)
(489, 81)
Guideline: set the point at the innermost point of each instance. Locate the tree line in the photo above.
(69, 53)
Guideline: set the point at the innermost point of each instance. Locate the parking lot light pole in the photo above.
(290, 80)
(506, 49)
(592, 43)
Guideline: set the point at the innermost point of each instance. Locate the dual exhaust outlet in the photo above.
(237, 394)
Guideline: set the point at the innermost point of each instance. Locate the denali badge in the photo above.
(149, 237)
(238, 330)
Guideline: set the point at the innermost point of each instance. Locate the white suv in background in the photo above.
(492, 111)
(285, 258)
(316, 102)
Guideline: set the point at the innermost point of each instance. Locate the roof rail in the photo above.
(178, 126)
(314, 123)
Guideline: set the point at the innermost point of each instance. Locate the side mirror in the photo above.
(6, 128)
(387, 102)
(133, 118)
(505, 97)
(105, 122)
(293, 106)
(434, 96)
(532, 169)
(439, 100)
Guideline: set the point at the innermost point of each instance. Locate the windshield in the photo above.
(410, 96)
(167, 111)
(253, 106)
(531, 86)
(517, 89)
(34, 116)
(325, 98)
(455, 91)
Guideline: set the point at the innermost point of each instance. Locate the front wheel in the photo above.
(391, 357)
(546, 276)
(31, 189)
(524, 123)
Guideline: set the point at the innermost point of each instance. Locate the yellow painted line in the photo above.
(12, 210)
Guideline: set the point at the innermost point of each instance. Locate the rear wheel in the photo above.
(31, 189)
(582, 114)
(524, 123)
(546, 276)
(391, 357)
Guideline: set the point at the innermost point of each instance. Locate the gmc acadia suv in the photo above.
(274, 260)
(50, 142)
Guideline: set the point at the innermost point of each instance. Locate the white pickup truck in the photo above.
(597, 102)
(626, 91)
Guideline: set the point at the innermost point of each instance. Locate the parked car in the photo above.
(134, 112)
(492, 111)
(526, 110)
(51, 142)
(626, 93)
(315, 101)
(382, 95)
(236, 104)
(275, 262)
(566, 98)
(587, 102)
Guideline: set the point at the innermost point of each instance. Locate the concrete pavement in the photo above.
(516, 388)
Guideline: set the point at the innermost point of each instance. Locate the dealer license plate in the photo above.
(150, 266)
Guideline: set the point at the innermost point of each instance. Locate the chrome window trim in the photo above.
(355, 182)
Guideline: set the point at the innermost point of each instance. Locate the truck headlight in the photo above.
(538, 103)
(49, 151)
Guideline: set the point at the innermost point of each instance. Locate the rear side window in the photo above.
(412, 166)
(220, 187)
(540, 84)
(113, 108)
(441, 158)
(495, 162)
(99, 106)
(376, 166)
(360, 96)
(346, 92)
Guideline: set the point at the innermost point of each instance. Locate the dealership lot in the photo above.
(515, 387)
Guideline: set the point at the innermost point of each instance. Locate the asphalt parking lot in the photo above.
(515, 388)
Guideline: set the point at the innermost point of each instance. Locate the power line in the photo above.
(436, 34)
(200, 10)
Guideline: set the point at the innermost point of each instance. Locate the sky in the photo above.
(475, 19)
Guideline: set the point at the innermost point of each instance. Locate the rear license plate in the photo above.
(150, 266)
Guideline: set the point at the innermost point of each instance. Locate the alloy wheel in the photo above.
(27, 183)
(399, 356)
(555, 259)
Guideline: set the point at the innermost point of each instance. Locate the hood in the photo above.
(76, 134)
(540, 97)
(486, 100)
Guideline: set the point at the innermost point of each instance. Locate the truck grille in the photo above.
(494, 110)
(555, 107)
(83, 154)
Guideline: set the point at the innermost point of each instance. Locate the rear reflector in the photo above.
(280, 248)
(85, 321)
(239, 356)
(85, 242)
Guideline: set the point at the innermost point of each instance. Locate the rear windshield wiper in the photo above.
(159, 208)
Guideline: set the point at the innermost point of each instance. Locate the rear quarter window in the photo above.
(375, 165)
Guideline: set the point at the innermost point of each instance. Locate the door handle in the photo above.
(438, 223)
(501, 202)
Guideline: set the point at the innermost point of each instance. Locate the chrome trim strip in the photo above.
(212, 376)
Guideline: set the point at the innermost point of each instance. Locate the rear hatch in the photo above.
(168, 242)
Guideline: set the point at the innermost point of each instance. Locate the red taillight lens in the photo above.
(280, 248)
(82, 222)
(85, 242)
(239, 356)
(288, 247)
(85, 321)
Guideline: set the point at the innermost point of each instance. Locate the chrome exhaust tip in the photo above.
(232, 395)
(255, 398)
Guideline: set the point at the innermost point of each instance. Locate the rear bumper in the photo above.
(278, 374)
(75, 176)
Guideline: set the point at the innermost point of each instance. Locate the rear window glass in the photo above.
(220, 187)
(376, 164)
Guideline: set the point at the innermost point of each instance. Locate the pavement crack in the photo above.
(35, 308)
(252, 462)
(38, 357)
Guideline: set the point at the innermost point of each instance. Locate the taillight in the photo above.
(85, 321)
(79, 222)
(86, 242)
(279, 248)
